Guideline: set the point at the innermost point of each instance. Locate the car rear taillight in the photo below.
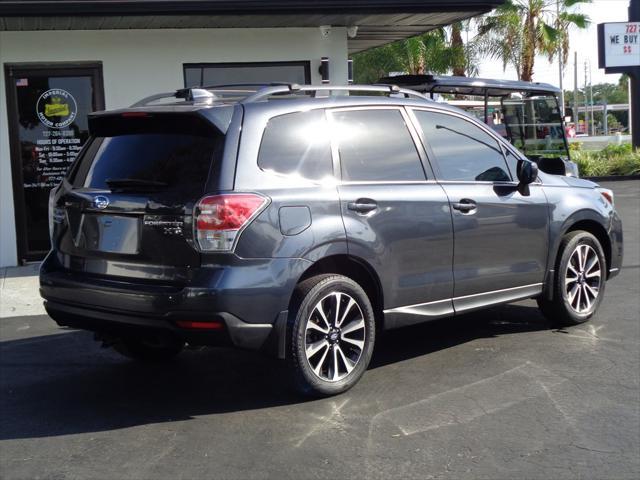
(221, 218)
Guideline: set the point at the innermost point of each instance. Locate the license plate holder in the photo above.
(111, 234)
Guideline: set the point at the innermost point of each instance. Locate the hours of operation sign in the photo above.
(620, 45)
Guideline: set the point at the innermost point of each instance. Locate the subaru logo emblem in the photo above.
(101, 202)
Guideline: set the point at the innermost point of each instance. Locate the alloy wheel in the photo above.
(583, 278)
(335, 336)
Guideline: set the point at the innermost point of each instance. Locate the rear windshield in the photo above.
(143, 158)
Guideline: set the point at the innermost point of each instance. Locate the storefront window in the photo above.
(203, 74)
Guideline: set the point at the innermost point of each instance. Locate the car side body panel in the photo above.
(503, 243)
(572, 201)
(408, 240)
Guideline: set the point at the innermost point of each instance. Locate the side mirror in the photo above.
(527, 172)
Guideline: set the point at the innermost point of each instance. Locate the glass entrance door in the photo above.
(48, 107)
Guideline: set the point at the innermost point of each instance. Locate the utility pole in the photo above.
(560, 69)
(576, 117)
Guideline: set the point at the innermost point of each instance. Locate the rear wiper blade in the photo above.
(120, 183)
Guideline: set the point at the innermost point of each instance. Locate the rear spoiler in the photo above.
(161, 120)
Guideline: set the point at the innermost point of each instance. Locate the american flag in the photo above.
(22, 82)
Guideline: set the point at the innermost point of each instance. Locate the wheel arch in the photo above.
(358, 270)
(597, 230)
(587, 222)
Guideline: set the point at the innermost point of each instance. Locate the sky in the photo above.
(585, 42)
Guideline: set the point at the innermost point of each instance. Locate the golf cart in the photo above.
(526, 114)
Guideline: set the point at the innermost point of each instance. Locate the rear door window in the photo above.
(375, 145)
(297, 144)
(463, 151)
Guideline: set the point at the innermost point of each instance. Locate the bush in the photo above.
(613, 160)
(614, 150)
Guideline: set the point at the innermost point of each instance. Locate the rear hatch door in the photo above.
(129, 199)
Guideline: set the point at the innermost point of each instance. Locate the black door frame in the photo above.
(17, 70)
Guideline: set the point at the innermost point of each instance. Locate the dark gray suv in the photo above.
(301, 221)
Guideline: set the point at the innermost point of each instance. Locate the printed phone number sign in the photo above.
(621, 42)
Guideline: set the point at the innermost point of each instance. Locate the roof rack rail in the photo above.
(206, 93)
(293, 88)
(256, 86)
(198, 95)
(256, 92)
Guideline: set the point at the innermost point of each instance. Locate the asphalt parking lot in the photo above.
(497, 394)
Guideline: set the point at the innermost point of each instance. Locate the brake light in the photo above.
(607, 195)
(220, 219)
(134, 114)
(200, 325)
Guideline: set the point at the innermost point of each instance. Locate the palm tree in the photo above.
(432, 52)
(520, 29)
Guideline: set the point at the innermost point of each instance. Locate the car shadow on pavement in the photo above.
(422, 339)
(65, 383)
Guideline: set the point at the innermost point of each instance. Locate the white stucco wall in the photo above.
(137, 63)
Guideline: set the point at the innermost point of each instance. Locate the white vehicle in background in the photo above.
(526, 114)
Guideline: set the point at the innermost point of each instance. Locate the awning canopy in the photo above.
(378, 21)
(470, 85)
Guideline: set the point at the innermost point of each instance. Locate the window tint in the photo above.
(298, 144)
(463, 151)
(375, 145)
(512, 161)
(178, 162)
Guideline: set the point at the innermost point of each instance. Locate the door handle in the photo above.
(362, 205)
(465, 205)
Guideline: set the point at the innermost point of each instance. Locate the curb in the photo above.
(612, 178)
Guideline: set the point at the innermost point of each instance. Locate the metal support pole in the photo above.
(629, 116)
(634, 82)
(634, 113)
(486, 107)
(593, 117)
(560, 69)
(576, 117)
(586, 101)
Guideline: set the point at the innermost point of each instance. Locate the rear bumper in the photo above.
(243, 304)
(225, 329)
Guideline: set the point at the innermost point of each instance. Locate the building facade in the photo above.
(64, 59)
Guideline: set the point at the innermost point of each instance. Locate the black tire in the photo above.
(315, 376)
(151, 349)
(565, 309)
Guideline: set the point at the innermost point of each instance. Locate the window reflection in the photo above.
(463, 151)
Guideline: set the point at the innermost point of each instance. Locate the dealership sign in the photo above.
(619, 46)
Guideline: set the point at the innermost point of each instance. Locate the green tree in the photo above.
(602, 93)
(519, 30)
(433, 52)
(609, 93)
